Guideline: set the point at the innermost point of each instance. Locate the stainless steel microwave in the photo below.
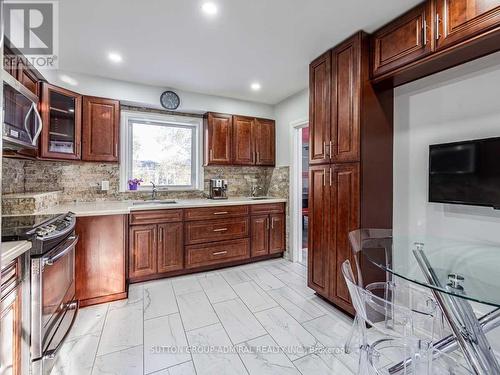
(22, 123)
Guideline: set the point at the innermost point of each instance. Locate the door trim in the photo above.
(296, 188)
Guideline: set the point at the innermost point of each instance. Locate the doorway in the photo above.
(300, 191)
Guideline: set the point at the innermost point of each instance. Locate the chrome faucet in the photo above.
(154, 191)
(255, 189)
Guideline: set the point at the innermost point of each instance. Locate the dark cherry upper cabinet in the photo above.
(239, 140)
(218, 136)
(406, 39)
(27, 77)
(459, 20)
(100, 129)
(265, 141)
(319, 229)
(170, 247)
(243, 140)
(277, 233)
(320, 109)
(143, 251)
(61, 112)
(345, 101)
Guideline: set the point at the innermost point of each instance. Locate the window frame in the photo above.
(126, 154)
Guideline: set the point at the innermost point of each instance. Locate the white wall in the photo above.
(149, 96)
(459, 104)
(293, 108)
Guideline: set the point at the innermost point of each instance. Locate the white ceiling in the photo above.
(171, 43)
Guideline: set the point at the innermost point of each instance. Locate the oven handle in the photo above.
(50, 261)
(73, 305)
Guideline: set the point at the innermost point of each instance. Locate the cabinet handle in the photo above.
(221, 213)
(331, 174)
(220, 230)
(324, 176)
(211, 155)
(257, 156)
(267, 223)
(424, 30)
(220, 253)
(160, 235)
(116, 149)
(438, 21)
(330, 147)
(272, 223)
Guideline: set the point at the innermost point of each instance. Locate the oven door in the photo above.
(54, 307)
(22, 123)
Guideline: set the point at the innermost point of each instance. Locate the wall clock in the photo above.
(170, 100)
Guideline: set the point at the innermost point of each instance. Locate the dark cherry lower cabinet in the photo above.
(155, 248)
(334, 212)
(267, 234)
(164, 243)
(10, 320)
(101, 259)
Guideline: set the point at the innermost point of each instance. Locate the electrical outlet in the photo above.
(104, 185)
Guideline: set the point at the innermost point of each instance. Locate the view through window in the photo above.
(164, 153)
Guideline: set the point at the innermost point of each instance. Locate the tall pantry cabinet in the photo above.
(350, 177)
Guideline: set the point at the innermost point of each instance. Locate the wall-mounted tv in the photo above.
(465, 173)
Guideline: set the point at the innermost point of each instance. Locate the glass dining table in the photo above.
(464, 277)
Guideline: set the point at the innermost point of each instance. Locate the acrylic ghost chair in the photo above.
(381, 240)
(403, 335)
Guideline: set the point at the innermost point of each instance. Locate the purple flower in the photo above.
(135, 181)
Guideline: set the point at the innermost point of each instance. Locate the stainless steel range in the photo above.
(53, 304)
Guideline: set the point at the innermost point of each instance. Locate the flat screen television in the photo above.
(465, 173)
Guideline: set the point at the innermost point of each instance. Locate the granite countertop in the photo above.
(12, 249)
(125, 207)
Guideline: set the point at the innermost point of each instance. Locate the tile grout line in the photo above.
(265, 329)
(100, 337)
(183, 328)
(224, 328)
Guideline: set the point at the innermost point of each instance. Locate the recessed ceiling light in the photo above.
(209, 8)
(115, 57)
(255, 86)
(68, 80)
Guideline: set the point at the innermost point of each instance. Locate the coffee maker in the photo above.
(218, 188)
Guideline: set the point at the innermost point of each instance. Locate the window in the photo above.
(161, 149)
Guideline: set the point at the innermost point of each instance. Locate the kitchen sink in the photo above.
(154, 202)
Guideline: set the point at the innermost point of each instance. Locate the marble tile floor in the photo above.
(255, 319)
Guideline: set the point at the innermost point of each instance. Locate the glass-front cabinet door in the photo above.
(61, 115)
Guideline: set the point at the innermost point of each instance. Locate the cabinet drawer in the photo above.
(259, 209)
(216, 230)
(215, 212)
(215, 253)
(155, 217)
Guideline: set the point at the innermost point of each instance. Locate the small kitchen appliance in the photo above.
(218, 188)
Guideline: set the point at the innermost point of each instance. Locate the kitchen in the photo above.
(150, 204)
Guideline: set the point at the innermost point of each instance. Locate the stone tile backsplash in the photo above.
(79, 181)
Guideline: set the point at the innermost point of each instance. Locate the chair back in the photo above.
(370, 238)
(375, 310)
